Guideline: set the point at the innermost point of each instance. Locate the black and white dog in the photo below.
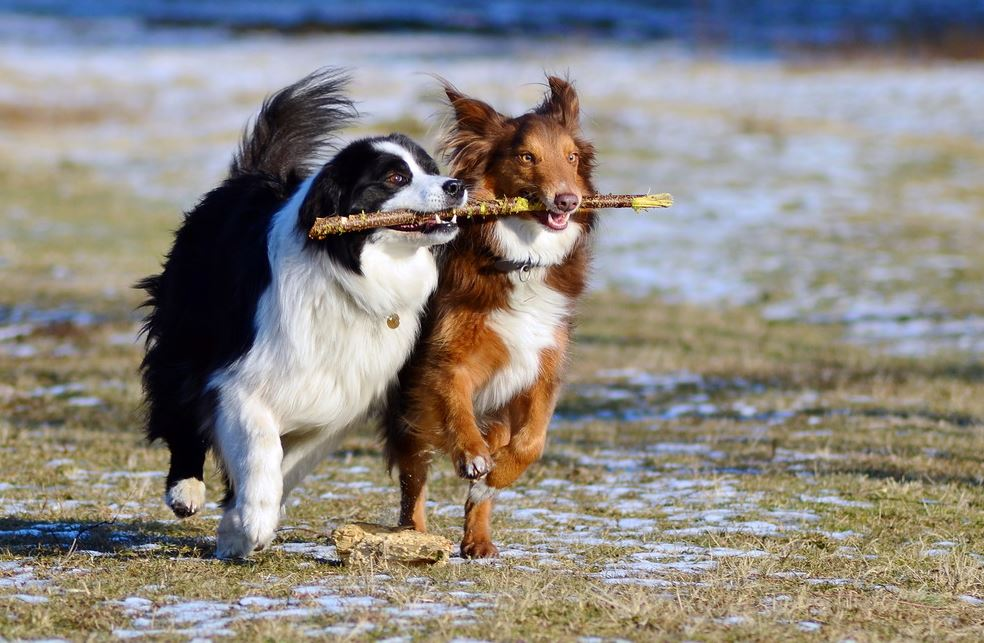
(265, 345)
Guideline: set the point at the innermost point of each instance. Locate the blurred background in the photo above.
(826, 157)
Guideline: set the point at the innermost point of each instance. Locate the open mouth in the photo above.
(425, 227)
(555, 220)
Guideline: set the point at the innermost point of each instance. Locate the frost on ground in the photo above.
(667, 508)
(629, 508)
(672, 506)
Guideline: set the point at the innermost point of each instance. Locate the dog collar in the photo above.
(522, 267)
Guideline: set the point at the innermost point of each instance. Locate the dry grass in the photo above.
(732, 479)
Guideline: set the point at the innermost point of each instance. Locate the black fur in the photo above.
(202, 309)
(359, 167)
(294, 127)
(203, 303)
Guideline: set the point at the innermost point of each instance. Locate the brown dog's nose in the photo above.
(566, 202)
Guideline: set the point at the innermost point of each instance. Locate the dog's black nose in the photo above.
(453, 187)
(566, 202)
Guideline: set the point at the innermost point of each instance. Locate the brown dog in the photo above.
(483, 381)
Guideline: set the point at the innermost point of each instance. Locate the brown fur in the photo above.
(458, 353)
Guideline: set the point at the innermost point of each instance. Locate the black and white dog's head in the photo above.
(383, 174)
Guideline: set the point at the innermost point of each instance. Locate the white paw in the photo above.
(479, 491)
(186, 497)
(241, 532)
(476, 467)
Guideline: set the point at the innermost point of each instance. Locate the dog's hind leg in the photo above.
(303, 452)
(247, 439)
(185, 493)
(413, 464)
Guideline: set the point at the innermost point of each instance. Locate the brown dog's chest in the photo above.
(534, 322)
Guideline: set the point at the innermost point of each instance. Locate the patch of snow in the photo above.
(314, 550)
(56, 390)
(136, 603)
(194, 611)
(27, 598)
(84, 401)
(733, 620)
(339, 604)
(260, 602)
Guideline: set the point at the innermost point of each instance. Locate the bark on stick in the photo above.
(327, 226)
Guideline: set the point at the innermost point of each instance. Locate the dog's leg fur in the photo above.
(477, 542)
(530, 415)
(469, 452)
(302, 453)
(414, 459)
(185, 485)
(413, 464)
(248, 440)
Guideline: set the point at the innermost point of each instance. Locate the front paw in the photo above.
(473, 466)
(478, 549)
(186, 497)
(243, 532)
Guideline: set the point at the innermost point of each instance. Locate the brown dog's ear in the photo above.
(472, 115)
(469, 139)
(562, 104)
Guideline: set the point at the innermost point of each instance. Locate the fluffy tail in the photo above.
(293, 132)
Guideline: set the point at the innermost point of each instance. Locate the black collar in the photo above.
(522, 267)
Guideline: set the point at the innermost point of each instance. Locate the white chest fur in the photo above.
(531, 323)
(323, 353)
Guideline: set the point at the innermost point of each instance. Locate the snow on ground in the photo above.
(651, 514)
(551, 524)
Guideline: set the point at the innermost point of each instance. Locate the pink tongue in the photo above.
(558, 220)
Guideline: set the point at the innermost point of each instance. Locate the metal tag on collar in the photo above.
(525, 270)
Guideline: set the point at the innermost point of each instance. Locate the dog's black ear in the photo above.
(325, 198)
(562, 104)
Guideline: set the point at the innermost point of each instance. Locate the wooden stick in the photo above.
(326, 226)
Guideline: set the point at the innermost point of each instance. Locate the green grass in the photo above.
(861, 464)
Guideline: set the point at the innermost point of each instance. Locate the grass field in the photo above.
(804, 462)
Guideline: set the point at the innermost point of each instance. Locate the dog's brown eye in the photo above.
(396, 179)
(572, 157)
(526, 157)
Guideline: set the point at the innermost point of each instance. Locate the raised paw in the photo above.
(473, 467)
(186, 497)
(478, 549)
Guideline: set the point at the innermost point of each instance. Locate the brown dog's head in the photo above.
(540, 155)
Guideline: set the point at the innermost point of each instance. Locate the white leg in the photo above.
(247, 438)
(303, 452)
